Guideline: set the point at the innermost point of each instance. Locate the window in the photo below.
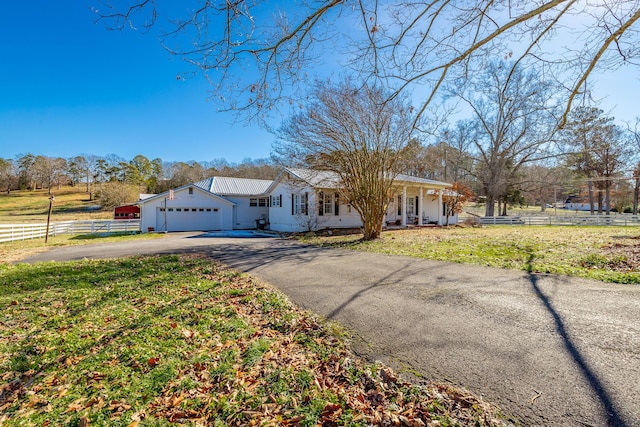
(261, 201)
(208, 209)
(170, 209)
(328, 204)
(299, 204)
(201, 210)
(191, 191)
(178, 209)
(276, 201)
(399, 205)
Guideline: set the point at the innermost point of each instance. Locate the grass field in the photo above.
(610, 254)
(179, 340)
(33, 206)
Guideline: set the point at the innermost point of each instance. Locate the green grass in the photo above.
(170, 340)
(601, 253)
(71, 203)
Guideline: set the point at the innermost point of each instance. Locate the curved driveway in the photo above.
(551, 350)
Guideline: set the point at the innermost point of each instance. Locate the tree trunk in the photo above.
(591, 201)
(489, 209)
(636, 193)
(607, 197)
(600, 201)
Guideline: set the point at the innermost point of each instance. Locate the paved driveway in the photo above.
(551, 350)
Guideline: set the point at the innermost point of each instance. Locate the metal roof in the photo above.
(414, 179)
(328, 179)
(317, 178)
(230, 186)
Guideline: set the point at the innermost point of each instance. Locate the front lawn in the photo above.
(171, 340)
(610, 254)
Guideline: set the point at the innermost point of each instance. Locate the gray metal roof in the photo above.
(407, 178)
(230, 186)
(317, 178)
(327, 179)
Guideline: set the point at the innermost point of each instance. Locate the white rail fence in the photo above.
(13, 232)
(619, 220)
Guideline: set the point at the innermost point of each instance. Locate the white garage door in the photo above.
(188, 219)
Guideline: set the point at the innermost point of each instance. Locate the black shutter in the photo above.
(280, 205)
(293, 204)
(320, 203)
(337, 204)
(306, 203)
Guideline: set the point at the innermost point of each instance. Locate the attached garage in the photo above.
(188, 219)
(187, 208)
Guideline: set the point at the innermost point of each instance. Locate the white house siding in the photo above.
(347, 216)
(245, 215)
(200, 211)
(282, 219)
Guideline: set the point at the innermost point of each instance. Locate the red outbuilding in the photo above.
(127, 212)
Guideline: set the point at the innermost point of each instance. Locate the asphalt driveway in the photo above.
(550, 350)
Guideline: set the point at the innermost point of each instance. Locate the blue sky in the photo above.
(69, 86)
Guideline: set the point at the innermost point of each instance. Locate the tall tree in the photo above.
(409, 45)
(24, 164)
(7, 174)
(512, 124)
(49, 171)
(76, 167)
(596, 149)
(353, 131)
(633, 131)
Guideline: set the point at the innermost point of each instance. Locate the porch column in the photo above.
(404, 206)
(440, 207)
(420, 208)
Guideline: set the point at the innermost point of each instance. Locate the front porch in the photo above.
(416, 205)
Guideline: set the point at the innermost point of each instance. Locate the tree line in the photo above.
(115, 180)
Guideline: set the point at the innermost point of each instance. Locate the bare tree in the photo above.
(24, 164)
(513, 124)
(633, 130)
(114, 193)
(49, 171)
(254, 52)
(596, 149)
(7, 174)
(353, 131)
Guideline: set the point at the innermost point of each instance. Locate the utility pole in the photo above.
(165, 214)
(46, 236)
